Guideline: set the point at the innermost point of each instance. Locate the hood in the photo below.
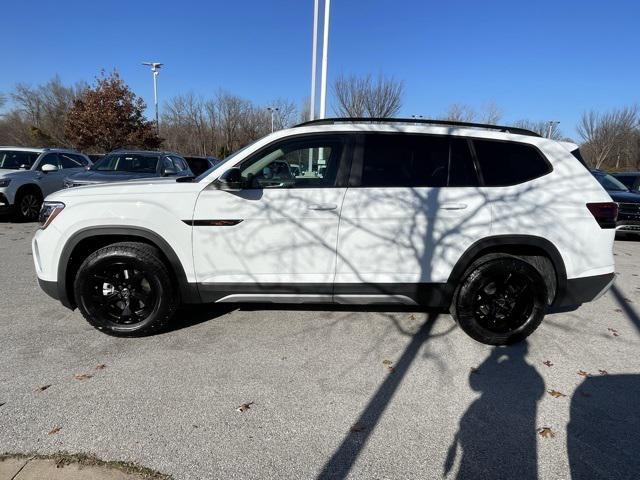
(624, 197)
(95, 176)
(6, 173)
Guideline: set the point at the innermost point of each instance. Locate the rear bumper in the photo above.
(583, 289)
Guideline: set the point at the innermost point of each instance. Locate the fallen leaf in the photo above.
(603, 372)
(387, 362)
(613, 331)
(546, 432)
(82, 376)
(618, 310)
(358, 427)
(555, 393)
(582, 373)
(42, 388)
(244, 407)
(3, 403)
(55, 430)
(474, 370)
(412, 317)
(101, 366)
(548, 363)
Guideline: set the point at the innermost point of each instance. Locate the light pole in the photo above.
(273, 111)
(155, 69)
(552, 123)
(314, 62)
(325, 52)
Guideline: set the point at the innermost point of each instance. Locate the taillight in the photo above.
(605, 213)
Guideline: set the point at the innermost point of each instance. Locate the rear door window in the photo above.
(509, 163)
(406, 160)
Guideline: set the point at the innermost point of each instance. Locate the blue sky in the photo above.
(538, 60)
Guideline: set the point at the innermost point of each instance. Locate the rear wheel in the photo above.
(500, 301)
(28, 203)
(126, 289)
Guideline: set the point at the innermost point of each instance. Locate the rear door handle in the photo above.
(454, 206)
(322, 206)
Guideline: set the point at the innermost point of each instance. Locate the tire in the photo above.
(27, 204)
(125, 289)
(501, 300)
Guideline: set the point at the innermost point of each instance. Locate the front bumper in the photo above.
(582, 290)
(5, 205)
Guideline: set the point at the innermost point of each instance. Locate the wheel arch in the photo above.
(518, 245)
(27, 187)
(85, 241)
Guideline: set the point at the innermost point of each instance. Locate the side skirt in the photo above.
(435, 295)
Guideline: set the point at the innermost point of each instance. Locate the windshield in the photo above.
(13, 160)
(223, 162)
(611, 184)
(127, 162)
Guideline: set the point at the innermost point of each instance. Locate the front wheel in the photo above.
(28, 203)
(125, 289)
(500, 301)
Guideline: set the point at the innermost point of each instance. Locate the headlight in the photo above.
(48, 212)
(5, 182)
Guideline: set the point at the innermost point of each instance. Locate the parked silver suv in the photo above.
(28, 175)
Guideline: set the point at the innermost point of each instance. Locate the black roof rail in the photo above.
(423, 121)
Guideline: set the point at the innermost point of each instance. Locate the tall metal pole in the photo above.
(325, 48)
(155, 98)
(550, 129)
(314, 61)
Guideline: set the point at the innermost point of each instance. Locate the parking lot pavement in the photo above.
(331, 394)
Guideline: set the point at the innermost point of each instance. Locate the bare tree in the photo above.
(364, 97)
(541, 127)
(491, 113)
(459, 112)
(605, 135)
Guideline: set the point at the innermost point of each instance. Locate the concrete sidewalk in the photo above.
(69, 467)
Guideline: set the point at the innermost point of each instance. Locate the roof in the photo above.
(37, 149)
(142, 152)
(420, 121)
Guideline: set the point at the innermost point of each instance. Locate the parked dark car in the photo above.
(131, 165)
(628, 202)
(630, 179)
(199, 165)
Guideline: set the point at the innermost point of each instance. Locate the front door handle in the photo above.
(322, 206)
(454, 206)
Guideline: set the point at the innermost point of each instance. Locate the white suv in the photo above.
(494, 224)
(27, 175)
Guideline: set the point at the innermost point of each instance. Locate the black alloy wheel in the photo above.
(126, 289)
(501, 300)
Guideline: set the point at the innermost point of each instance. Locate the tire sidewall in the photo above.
(462, 307)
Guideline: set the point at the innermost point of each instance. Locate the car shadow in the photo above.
(497, 433)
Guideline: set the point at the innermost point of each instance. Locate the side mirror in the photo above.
(169, 171)
(48, 168)
(230, 181)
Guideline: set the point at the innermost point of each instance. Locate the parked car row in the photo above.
(28, 175)
(627, 198)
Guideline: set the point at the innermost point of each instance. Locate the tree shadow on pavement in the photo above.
(497, 433)
(345, 456)
(628, 309)
(603, 435)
